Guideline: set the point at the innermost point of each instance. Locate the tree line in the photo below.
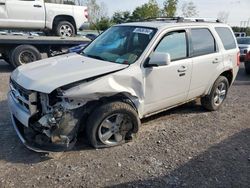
(99, 19)
(242, 29)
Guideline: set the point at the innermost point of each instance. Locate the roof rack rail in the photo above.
(170, 19)
(183, 19)
(202, 20)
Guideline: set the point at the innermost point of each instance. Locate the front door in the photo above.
(3, 14)
(168, 85)
(25, 14)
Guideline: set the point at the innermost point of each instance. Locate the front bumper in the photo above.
(20, 121)
(45, 148)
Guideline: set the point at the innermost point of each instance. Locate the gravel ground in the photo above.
(184, 147)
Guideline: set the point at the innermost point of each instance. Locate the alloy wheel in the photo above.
(220, 94)
(113, 129)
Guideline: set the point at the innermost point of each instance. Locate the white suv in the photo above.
(129, 72)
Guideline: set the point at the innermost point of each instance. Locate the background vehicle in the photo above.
(244, 45)
(58, 17)
(240, 34)
(22, 49)
(130, 72)
(77, 49)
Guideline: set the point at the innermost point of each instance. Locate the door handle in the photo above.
(37, 6)
(182, 69)
(1, 3)
(216, 60)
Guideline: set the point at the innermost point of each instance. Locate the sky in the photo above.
(239, 10)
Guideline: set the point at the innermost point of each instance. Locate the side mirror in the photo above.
(159, 59)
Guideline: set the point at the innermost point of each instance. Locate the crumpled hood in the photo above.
(48, 74)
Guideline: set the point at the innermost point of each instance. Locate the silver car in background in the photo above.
(244, 45)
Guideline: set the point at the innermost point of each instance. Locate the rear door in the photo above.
(25, 14)
(207, 60)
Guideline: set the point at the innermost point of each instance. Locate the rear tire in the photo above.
(112, 124)
(218, 94)
(24, 54)
(65, 29)
(247, 67)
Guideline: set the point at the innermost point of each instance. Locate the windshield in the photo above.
(243, 40)
(120, 44)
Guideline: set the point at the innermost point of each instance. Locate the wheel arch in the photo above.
(63, 17)
(123, 97)
(227, 73)
(90, 106)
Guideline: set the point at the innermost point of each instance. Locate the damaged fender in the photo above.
(122, 82)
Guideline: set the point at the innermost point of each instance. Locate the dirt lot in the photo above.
(184, 147)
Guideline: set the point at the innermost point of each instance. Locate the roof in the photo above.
(164, 24)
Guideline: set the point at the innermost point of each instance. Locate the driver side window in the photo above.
(174, 43)
(115, 41)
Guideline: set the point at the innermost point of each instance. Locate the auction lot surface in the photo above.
(183, 147)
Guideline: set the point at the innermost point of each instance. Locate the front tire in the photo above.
(247, 67)
(65, 29)
(218, 94)
(112, 124)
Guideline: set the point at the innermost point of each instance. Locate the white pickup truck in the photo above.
(60, 17)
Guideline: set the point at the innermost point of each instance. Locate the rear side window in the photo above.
(227, 37)
(203, 42)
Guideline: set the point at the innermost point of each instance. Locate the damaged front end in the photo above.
(52, 120)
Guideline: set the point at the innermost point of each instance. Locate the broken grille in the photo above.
(27, 99)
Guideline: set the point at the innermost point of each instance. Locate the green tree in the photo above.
(248, 31)
(146, 11)
(103, 24)
(121, 17)
(242, 29)
(236, 29)
(170, 7)
(189, 9)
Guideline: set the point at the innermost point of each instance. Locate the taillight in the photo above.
(86, 14)
(248, 55)
(238, 59)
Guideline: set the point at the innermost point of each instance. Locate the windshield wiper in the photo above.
(94, 56)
